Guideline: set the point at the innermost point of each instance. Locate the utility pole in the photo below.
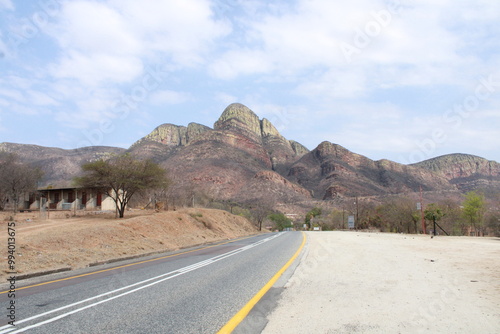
(343, 216)
(422, 211)
(357, 212)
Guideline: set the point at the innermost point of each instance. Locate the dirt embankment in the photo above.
(77, 242)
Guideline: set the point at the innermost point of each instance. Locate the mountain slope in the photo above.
(467, 172)
(331, 170)
(58, 165)
(236, 159)
(245, 159)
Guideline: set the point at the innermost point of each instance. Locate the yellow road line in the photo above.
(126, 265)
(238, 317)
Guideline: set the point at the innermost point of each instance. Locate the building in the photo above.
(67, 199)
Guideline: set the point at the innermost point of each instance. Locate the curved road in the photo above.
(196, 291)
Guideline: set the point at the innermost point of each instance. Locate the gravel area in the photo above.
(353, 282)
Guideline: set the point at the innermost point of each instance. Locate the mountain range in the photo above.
(245, 159)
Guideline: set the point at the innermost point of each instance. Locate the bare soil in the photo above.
(354, 282)
(67, 241)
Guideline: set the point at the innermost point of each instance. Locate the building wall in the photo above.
(70, 199)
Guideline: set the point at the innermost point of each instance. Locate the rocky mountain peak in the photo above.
(268, 129)
(172, 135)
(168, 134)
(238, 117)
(327, 150)
(461, 166)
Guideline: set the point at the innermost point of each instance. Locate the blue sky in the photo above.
(401, 80)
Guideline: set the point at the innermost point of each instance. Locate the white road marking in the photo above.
(160, 278)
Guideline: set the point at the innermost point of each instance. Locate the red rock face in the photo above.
(275, 178)
(467, 172)
(245, 159)
(332, 171)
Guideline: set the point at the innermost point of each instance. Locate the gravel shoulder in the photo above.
(351, 282)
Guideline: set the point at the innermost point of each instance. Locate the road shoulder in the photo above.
(351, 282)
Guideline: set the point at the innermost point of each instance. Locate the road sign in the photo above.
(350, 221)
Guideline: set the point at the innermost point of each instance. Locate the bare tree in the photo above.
(16, 179)
(399, 215)
(260, 212)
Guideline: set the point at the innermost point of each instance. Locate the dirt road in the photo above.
(349, 282)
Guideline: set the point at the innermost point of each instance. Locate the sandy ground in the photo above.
(65, 241)
(349, 282)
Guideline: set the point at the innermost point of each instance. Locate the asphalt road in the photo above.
(197, 291)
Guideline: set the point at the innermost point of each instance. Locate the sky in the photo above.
(400, 80)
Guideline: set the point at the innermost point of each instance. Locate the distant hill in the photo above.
(58, 165)
(467, 172)
(245, 159)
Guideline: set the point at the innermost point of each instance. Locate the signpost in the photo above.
(350, 222)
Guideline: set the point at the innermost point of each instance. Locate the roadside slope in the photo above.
(80, 241)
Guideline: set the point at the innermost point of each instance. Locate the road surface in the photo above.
(195, 291)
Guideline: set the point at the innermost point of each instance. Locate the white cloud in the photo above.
(415, 47)
(122, 35)
(98, 68)
(4, 103)
(106, 47)
(41, 99)
(283, 59)
(225, 98)
(183, 30)
(7, 4)
(17, 108)
(168, 97)
(12, 94)
(336, 83)
(240, 62)
(93, 27)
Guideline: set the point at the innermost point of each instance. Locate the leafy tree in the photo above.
(122, 177)
(16, 179)
(474, 208)
(311, 214)
(452, 220)
(434, 214)
(280, 220)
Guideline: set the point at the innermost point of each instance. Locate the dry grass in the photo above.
(79, 241)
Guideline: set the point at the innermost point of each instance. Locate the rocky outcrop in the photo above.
(174, 135)
(168, 135)
(456, 166)
(298, 148)
(247, 131)
(239, 118)
(273, 177)
(195, 131)
(467, 172)
(332, 171)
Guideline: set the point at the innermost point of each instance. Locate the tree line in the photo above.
(475, 214)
